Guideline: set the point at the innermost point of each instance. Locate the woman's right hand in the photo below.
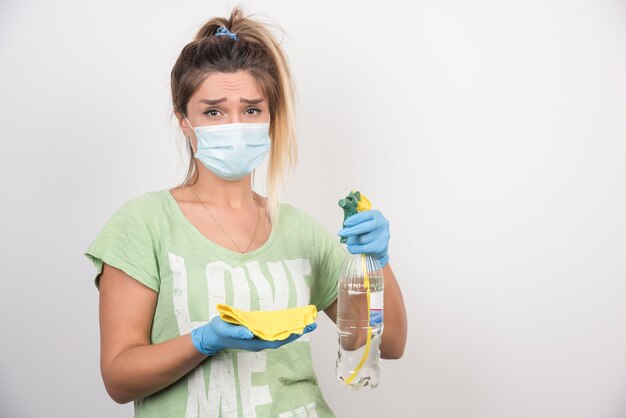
(218, 334)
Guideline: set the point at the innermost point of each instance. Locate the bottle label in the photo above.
(376, 308)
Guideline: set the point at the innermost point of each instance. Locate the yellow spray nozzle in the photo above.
(364, 204)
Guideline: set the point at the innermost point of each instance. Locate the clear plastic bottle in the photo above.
(360, 322)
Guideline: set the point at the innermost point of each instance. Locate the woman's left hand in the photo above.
(367, 233)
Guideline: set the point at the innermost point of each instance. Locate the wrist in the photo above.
(383, 260)
(198, 338)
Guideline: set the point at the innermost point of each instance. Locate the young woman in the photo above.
(166, 258)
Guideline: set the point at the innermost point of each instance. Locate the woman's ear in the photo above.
(183, 124)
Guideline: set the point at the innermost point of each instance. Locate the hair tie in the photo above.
(223, 31)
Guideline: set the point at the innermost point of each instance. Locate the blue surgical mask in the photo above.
(231, 151)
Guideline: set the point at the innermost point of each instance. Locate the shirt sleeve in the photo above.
(330, 257)
(128, 241)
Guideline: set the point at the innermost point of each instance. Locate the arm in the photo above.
(131, 367)
(395, 330)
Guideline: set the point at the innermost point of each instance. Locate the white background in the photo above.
(490, 133)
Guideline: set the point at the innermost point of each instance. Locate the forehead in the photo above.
(229, 85)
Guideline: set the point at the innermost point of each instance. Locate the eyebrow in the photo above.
(223, 99)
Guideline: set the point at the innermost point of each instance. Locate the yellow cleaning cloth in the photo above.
(270, 325)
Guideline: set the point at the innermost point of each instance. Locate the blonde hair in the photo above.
(256, 50)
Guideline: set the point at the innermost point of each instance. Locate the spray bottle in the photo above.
(359, 311)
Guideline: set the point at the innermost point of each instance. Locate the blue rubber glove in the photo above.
(218, 334)
(368, 233)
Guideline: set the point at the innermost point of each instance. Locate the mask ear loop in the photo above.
(189, 139)
(188, 123)
(191, 145)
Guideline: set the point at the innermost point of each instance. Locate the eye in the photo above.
(253, 109)
(211, 112)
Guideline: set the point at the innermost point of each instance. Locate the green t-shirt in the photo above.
(151, 240)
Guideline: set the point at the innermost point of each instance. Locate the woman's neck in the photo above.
(234, 195)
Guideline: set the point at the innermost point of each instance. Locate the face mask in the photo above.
(231, 151)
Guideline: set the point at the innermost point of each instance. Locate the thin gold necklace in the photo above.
(256, 227)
